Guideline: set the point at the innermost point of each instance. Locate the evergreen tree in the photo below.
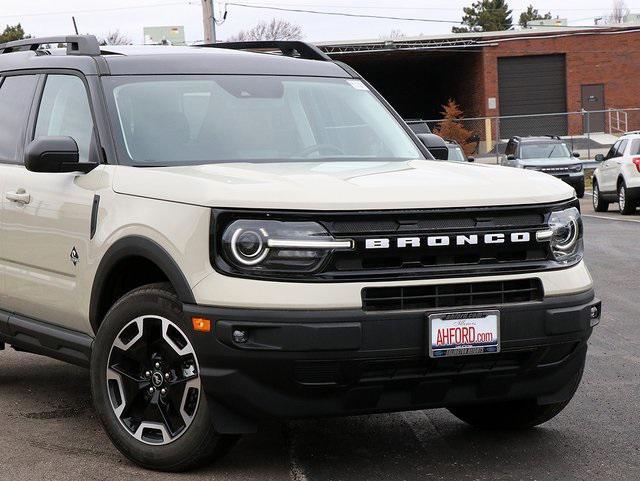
(532, 14)
(486, 16)
(12, 32)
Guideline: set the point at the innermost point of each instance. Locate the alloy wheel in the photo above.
(153, 380)
(596, 196)
(621, 198)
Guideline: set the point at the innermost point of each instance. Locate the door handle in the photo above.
(20, 196)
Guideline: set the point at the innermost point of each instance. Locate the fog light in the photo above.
(240, 336)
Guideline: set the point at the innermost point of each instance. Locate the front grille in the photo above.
(464, 252)
(440, 261)
(451, 295)
(560, 170)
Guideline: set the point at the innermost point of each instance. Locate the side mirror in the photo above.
(511, 157)
(576, 155)
(471, 159)
(599, 157)
(55, 155)
(435, 145)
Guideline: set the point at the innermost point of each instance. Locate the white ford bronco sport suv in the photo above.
(226, 236)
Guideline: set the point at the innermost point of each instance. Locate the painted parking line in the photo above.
(617, 219)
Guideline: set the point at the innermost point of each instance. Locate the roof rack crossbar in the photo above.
(76, 44)
(288, 48)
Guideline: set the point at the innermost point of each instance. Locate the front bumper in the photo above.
(574, 180)
(299, 364)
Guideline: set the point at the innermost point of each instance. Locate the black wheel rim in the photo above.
(153, 380)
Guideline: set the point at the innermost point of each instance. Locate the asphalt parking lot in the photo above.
(50, 431)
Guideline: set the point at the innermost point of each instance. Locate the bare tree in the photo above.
(276, 29)
(116, 38)
(619, 12)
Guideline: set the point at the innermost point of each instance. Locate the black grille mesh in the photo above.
(451, 295)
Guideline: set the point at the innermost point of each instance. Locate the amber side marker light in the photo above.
(201, 324)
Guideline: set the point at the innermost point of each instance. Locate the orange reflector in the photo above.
(201, 324)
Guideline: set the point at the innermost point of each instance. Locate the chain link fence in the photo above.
(588, 133)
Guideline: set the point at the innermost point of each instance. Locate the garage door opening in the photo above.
(418, 83)
(535, 84)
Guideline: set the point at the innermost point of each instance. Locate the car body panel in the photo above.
(418, 184)
(38, 239)
(219, 290)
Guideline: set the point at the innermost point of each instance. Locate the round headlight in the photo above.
(566, 238)
(249, 244)
(272, 247)
(248, 247)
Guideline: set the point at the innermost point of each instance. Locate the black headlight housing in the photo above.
(273, 248)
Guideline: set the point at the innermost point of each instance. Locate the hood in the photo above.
(417, 184)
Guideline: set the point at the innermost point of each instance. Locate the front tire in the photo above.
(599, 203)
(626, 206)
(145, 381)
(580, 190)
(508, 415)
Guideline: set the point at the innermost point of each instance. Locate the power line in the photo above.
(108, 9)
(398, 7)
(382, 17)
(341, 14)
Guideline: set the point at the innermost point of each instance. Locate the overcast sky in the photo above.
(44, 17)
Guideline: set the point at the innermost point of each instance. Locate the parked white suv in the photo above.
(617, 179)
(224, 237)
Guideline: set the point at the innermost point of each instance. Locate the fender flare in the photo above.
(137, 246)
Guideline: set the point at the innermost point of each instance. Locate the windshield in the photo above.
(456, 153)
(177, 120)
(544, 150)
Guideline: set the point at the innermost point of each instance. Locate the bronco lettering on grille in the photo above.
(447, 240)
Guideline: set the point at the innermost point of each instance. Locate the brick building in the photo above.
(532, 71)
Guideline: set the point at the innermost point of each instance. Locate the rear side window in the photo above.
(16, 95)
(635, 147)
(64, 111)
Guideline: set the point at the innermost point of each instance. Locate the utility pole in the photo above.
(209, 21)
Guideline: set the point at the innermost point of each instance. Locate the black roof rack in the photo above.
(533, 137)
(76, 44)
(288, 48)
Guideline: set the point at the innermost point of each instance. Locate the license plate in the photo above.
(464, 333)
